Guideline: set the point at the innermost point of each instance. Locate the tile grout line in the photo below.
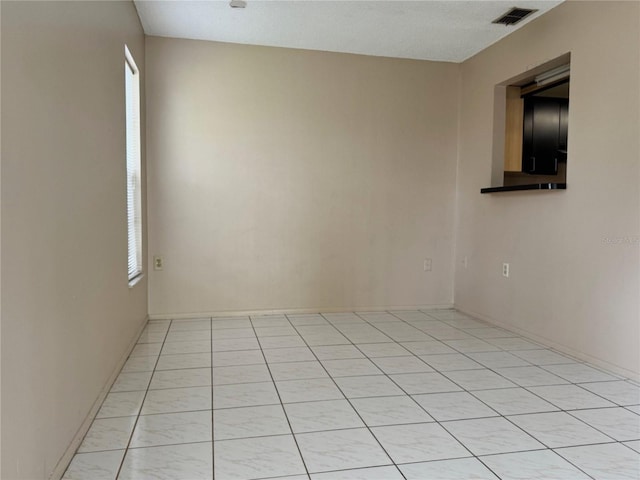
(349, 401)
(352, 344)
(135, 423)
(273, 382)
(213, 447)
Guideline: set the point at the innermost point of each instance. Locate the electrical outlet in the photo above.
(465, 262)
(158, 262)
(427, 264)
(505, 270)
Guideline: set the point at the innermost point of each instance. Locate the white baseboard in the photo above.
(66, 458)
(293, 311)
(585, 357)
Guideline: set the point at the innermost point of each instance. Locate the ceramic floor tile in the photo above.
(471, 345)
(293, 354)
(182, 325)
(229, 333)
(419, 442)
(317, 330)
(454, 406)
(316, 340)
(341, 449)
(498, 359)
(392, 365)
(307, 319)
(579, 373)
(376, 350)
(542, 357)
(490, 332)
(249, 422)
(410, 315)
(245, 395)
(319, 416)
(634, 445)
(131, 381)
(275, 331)
(379, 411)
(308, 390)
(445, 332)
(611, 461)
(479, 379)
(510, 344)
(224, 323)
(458, 469)
(450, 362)
(570, 397)
(369, 337)
(187, 461)
(377, 317)
(465, 322)
(193, 346)
(191, 377)
(558, 429)
(177, 400)
(371, 473)
(231, 344)
(536, 465)
(121, 404)
(139, 364)
(251, 458)
(237, 357)
(618, 423)
(342, 318)
(530, 376)
(297, 370)
(94, 466)
(172, 428)
(108, 434)
(427, 348)
(282, 342)
(146, 349)
(337, 352)
(514, 401)
(184, 360)
(368, 386)
(351, 367)
(241, 374)
(622, 393)
(433, 382)
(151, 337)
(487, 436)
(189, 336)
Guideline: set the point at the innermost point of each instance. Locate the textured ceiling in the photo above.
(428, 30)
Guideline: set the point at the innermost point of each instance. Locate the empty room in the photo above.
(322, 240)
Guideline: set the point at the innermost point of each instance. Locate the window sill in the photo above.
(135, 280)
(531, 186)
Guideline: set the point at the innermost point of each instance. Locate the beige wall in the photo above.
(290, 179)
(567, 284)
(68, 315)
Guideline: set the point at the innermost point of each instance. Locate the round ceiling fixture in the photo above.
(237, 4)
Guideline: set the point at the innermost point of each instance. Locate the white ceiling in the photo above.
(450, 30)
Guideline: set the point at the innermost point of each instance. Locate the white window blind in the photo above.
(134, 197)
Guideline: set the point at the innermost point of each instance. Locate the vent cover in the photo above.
(514, 16)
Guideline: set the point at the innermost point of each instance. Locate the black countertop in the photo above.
(531, 186)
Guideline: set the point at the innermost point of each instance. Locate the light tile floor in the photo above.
(380, 395)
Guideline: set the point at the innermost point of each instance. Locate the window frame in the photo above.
(133, 161)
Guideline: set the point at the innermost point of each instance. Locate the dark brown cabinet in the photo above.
(544, 140)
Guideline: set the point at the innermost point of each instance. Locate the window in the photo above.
(531, 125)
(134, 187)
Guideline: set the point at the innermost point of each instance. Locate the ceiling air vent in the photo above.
(514, 16)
